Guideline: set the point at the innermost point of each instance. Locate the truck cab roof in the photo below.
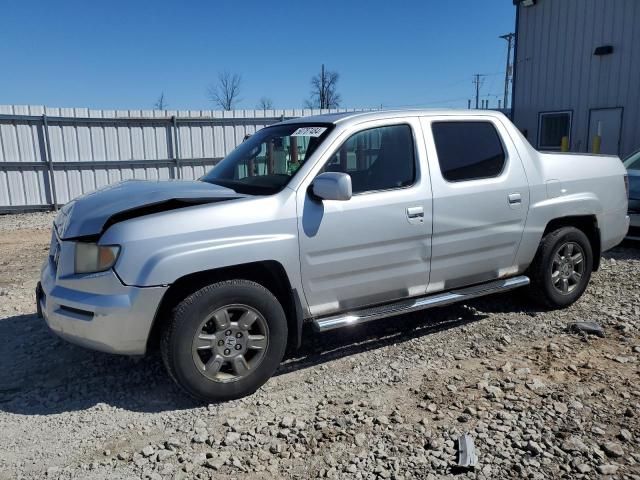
(343, 118)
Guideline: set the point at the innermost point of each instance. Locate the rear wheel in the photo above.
(225, 340)
(562, 267)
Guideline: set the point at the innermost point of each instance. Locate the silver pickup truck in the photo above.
(335, 220)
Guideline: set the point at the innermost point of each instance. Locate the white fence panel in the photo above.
(49, 156)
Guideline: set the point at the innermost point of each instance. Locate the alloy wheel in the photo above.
(230, 343)
(567, 267)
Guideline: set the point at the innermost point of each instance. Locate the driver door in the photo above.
(375, 247)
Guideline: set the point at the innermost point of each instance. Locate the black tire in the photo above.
(185, 323)
(546, 288)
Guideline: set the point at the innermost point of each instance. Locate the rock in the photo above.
(164, 454)
(534, 448)
(148, 451)
(214, 463)
(382, 420)
(123, 456)
(173, 443)
(613, 449)
(560, 407)
(536, 385)
(583, 468)
(625, 435)
(287, 421)
(494, 392)
(574, 444)
(231, 438)
(607, 469)
(52, 471)
(506, 368)
(360, 439)
(382, 472)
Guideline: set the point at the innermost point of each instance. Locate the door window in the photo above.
(468, 150)
(377, 159)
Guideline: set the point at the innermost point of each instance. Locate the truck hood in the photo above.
(91, 214)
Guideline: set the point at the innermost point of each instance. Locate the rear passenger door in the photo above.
(480, 200)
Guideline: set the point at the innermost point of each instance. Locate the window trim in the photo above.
(552, 112)
(505, 150)
(416, 162)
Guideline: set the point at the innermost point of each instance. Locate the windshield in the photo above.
(633, 162)
(265, 162)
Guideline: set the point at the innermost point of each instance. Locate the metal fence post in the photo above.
(49, 160)
(176, 146)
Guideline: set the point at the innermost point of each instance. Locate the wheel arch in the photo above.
(588, 224)
(270, 274)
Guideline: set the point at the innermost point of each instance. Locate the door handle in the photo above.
(515, 198)
(415, 212)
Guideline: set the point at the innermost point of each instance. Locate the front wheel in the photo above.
(562, 267)
(225, 341)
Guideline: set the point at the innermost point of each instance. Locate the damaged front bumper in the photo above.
(97, 311)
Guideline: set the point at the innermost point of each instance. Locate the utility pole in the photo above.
(477, 80)
(509, 70)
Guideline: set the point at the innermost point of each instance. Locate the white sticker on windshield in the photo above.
(309, 132)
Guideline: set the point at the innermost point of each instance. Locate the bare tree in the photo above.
(323, 90)
(265, 103)
(161, 103)
(225, 94)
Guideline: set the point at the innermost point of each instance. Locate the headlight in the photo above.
(91, 258)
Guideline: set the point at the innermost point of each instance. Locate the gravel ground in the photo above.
(382, 401)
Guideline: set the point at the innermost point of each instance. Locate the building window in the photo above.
(552, 127)
(468, 150)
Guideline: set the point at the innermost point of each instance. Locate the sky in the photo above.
(124, 54)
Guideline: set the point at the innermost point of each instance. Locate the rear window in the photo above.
(468, 150)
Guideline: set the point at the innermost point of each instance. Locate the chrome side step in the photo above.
(414, 304)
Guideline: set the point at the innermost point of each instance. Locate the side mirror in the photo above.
(332, 186)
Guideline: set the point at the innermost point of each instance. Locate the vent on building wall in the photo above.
(525, 3)
(603, 50)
